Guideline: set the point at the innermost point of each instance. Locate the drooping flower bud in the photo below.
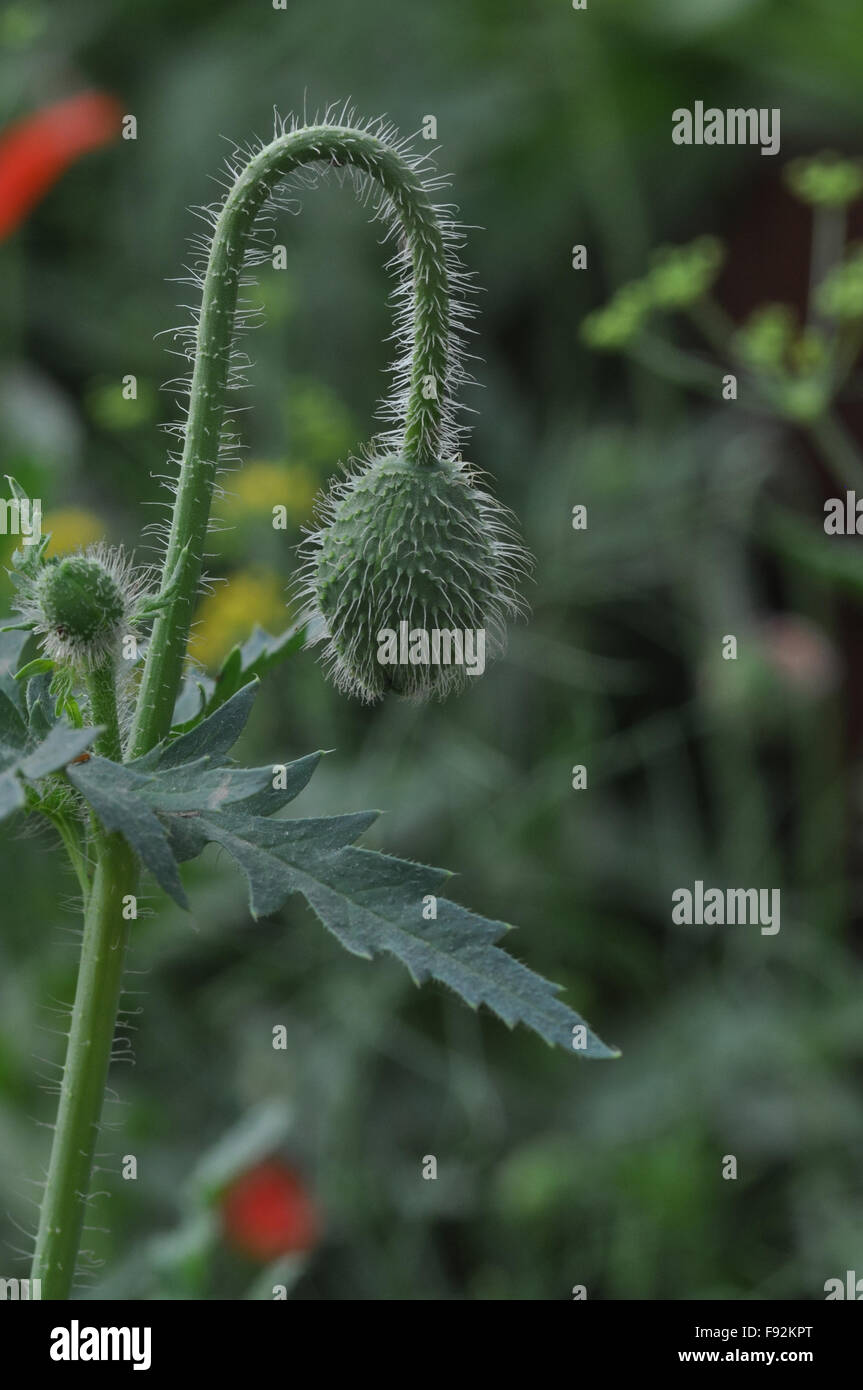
(411, 577)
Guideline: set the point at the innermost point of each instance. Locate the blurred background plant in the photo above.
(704, 518)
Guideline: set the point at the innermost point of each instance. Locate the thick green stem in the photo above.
(91, 1036)
(94, 1014)
(424, 236)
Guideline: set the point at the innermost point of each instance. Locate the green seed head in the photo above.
(405, 553)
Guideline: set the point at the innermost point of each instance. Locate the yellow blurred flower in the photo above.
(71, 527)
(259, 487)
(227, 615)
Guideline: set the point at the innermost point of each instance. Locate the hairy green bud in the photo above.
(411, 578)
(81, 605)
(81, 600)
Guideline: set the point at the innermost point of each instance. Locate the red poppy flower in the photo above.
(269, 1211)
(35, 151)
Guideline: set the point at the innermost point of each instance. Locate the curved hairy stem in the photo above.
(420, 225)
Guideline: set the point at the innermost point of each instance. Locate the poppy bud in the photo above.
(82, 604)
(409, 550)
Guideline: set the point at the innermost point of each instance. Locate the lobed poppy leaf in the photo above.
(180, 797)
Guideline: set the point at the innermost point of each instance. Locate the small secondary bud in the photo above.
(82, 605)
(80, 598)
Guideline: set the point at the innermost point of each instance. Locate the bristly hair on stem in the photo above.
(451, 285)
(431, 302)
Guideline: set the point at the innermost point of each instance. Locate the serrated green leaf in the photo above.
(177, 799)
(63, 743)
(157, 801)
(293, 777)
(205, 788)
(28, 753)
(373, 904)
(189, 837)
(215, 736)
(282, 857)
(116, 794)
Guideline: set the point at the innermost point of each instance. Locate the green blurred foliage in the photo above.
(551, 1173)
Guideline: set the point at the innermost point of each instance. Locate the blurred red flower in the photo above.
(35, 151)
(269, 1211)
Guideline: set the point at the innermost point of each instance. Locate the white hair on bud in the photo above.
(132, 584)
(439, 523)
